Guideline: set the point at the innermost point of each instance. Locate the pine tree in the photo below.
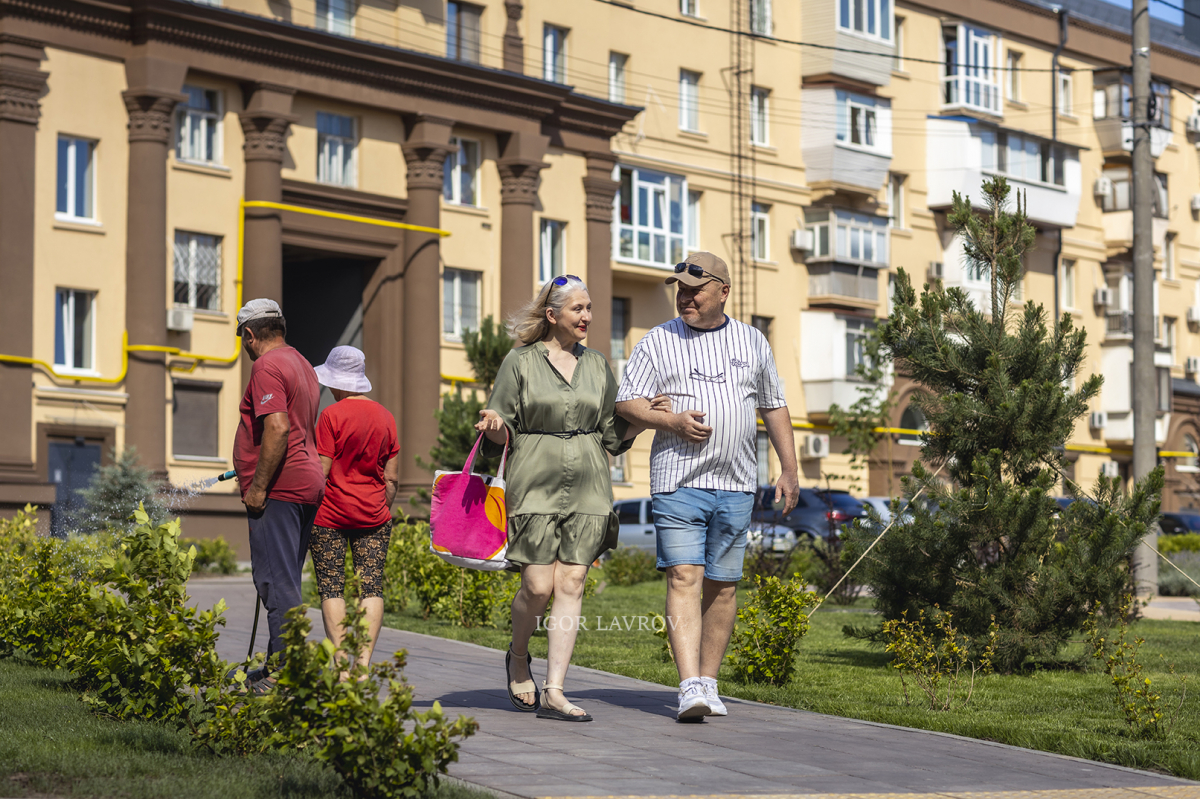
(859, 421)
(989, 541)
(115, 491)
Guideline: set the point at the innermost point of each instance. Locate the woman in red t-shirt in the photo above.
(356, 441)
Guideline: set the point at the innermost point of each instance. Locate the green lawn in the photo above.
(51, 745)
(1065, 710)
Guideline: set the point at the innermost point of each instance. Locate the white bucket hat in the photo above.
(345, 369)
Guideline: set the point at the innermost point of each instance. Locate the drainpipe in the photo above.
(1063, 28)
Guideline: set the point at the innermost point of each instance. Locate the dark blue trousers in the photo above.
(278, 546)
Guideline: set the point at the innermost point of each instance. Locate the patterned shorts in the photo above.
(368, 548)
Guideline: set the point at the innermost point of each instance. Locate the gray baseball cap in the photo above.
(261, 308)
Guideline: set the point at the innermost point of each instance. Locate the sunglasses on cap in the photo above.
(695, 270)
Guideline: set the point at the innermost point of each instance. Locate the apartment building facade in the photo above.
(171, 157)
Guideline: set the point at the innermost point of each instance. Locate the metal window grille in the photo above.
(198, 271)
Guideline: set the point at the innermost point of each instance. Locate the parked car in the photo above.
(882, 506)
(770, 537)
(818, 511)
(637, 525)
(1179, 523)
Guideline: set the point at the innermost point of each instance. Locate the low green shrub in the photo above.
(1170, 544)
(933, 654)
(213, 555)
(799, 562)
(630, 566)
(1172, 583)
(408, 549)
(769, 628)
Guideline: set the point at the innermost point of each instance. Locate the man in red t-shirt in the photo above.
(275, 455)
(357, 443)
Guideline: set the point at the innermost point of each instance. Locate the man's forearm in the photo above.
(778, 422)
(270, 455)
(639, 414)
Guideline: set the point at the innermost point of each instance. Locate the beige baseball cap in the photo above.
(261, 308)
(711, 268)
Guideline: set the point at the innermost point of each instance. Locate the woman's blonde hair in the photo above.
(529, 324)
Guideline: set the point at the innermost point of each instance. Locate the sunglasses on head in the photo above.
(561, 280)
(695, 270)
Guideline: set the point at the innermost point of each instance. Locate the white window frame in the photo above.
(834, 237)
(868, 13)
(1065, 86)
(761, 22)
(1191, 464)
(1170, 335)
(692, 221)
(66, 324)
(974, 82)
(1012, 75)
(760, 231)
(327, 143)
(898, 38)
(552, 247)
(189, 243)
(452, 282)
(456, 161)
(896, 200)
(73, 190)
(760, 116)
(554, 53)
(327, 16)
(689, 8)
(652, 195)
(689, 100)
(189, 119)
(1070, 272)
(864, 117)
(1169, 250)
(617, 63)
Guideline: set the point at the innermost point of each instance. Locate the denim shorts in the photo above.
(703, 528)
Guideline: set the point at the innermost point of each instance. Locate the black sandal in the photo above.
(527, 687)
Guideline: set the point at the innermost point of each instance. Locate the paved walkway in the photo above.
(635, 747)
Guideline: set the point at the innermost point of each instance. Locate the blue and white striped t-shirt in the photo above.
(728, 373)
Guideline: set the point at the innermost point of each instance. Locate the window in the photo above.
(1119, 193)
(693, 220)
(1065, 89)
(460, 172)
(1169, 257)
(460, 302)
(76, 182)
(866, 17)
(74, 329)
(462, 31)
(759, 119)
(1162, 377)
(618, 470)
(970, 72)
(1191, 464)
(1113, 97)
(1012, 76)
(335, 149)
(630, 512)
(550, 264)
(198, 271)
(650, 217)
(689, 100)
(760, 17)
(863, 121)
(198, 126)
(1162, 205)
(616, 77)
(762, 452)
(854, 237)
(763, 325)
(896, 200)
(1068, 283)
(1022, 157)
(857, 331)
(760, 231)
(336, 16)
(554, 54)
(912, 419)
(689, 8)
(618, 345)
(1169, 327)
(195, 410)
(898, 58)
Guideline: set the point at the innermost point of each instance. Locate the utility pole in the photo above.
(1145, 386)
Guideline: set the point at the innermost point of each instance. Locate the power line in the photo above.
(1178, 8)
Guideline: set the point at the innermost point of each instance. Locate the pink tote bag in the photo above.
(469, 521)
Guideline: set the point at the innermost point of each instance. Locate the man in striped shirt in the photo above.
(703, 464)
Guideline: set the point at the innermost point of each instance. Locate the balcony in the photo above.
(1116, 136)
(847, 285)
(970, 93)
(830, 348)
(852, 155)
(1118, 231)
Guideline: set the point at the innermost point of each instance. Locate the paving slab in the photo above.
(635, 747)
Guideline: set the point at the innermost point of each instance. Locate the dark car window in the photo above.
(629, 512)
(1192, 521)
(841, 500)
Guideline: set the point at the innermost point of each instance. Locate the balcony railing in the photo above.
(972, 92)
(1120, 325)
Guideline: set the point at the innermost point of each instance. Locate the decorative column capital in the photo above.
(519, 181)
(265, 135)
(150, 115)
(21, 82)
(425, 162)
(600, 192)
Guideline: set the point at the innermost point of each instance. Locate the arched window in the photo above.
(1191, 464)
(912, 419)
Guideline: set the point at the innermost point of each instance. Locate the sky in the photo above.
(1158, 10)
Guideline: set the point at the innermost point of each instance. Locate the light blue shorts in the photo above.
(705, 528)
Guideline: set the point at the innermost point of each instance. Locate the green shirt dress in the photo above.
(559, 489)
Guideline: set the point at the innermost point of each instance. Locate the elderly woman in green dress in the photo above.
(555, 397)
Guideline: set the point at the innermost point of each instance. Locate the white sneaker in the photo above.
(714, 701)
(693, 702)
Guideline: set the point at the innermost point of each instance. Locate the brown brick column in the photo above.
(21, 86)
(519, 166)
(600, 189)
(514, 44)
(424, 154)
(150, 102)
(265, 125)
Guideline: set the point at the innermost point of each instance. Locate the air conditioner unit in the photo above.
(1191, 364)
(816, 445)
(180, 320)
(937, 270)
(1102, 297)
(1098, 420)
(802, 239)
(1193, 315)
(1110, 469)
(1102, 187)
(1193, 123)
(1196, 202)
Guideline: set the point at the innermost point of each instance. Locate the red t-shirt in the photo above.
(281, 381)
(359, 436)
